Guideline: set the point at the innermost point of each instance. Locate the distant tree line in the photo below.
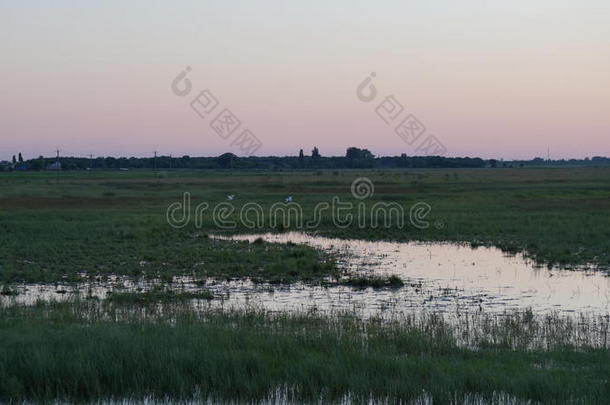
(354, 158)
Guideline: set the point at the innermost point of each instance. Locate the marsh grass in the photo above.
(142, 249)
(88, 351)
(6, 291)
(108, 222)
(374, 281)
(158, 294)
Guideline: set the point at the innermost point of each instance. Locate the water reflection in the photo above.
(439, 277)
(448, 277)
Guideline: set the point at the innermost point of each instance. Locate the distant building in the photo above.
(54, 166)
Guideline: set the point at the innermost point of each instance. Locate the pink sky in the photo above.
(502, 81)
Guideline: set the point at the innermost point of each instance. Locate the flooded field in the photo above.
(119, 307)
(440, 277)
(443, 276)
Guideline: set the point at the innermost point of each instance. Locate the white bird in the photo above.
(230, 197)
(288, 199)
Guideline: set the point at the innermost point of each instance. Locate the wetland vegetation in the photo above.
(164, 342)
(84, 351)
(114, 222)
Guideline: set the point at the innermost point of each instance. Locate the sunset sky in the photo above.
(489, 79)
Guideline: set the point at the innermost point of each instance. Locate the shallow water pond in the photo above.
(444, 276)
(439, 277)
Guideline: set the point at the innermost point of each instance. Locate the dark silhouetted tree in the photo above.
(315, 153)
(37, 164)
(225, 161)
(358, 154)
(14, 160)
(20, 158)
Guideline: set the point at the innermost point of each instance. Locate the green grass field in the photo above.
(110, 222)
(95, 224)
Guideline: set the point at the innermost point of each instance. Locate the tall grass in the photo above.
(86, 351)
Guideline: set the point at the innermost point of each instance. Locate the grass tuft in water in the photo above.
(374, 281)
(158, 294)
